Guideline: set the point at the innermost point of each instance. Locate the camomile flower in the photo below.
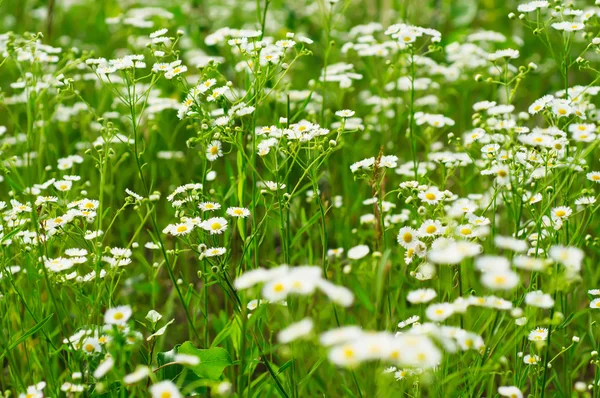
(178, 229)
(140, 373)
(594, 292)
(594, 176)
(215, 225)
(413, 319)
(240, 212)
(595, 303)
(117, 315)
(465, 230)
(530, 263)
(63, 185)
(539, 104)
(538, 334)
(344, 113)
(561, 108)
(421, 296)
(508, 53)
(531, 359)
(569, 256)
(407, 237)
(34, 391)
(513, 391)
(358, 252)
(165, 389)
(567, 26)
(585, 201)
(335, 252)
(500, 279)
(488, 263)
(539, 299)
(215, 251)
(214, 151)
(209, 206)
(561, 212)
(347, 354)
(470, 341)
(295, 331)
(432, 195)
(90, 346)
(510, 243)
(431, 228)
(104, 367)
(439, 312)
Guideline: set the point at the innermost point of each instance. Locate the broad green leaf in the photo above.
(212, 361)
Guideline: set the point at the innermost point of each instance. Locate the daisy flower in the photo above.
(209, 206)
(241, 212)
(165, 389)
(213, 151)
(215, 225)
(117, 315)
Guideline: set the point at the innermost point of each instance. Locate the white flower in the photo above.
(595, 303)
(421, 296)
(63, 185)
(117, 315)
(501, 279)
(215, 251)
(507, 53)
(345, 113)
(140, 373)
(241, 212)
(531, 359)
(538, 334)
(511, 391)
(539, 299)
(358, 252)
(213, 151)
(215, 225)
(439, 312)
(568, 26)
(165, 389)
(295, 331)
(104, 367)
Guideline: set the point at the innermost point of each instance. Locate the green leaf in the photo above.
(26, 335)
(212, 361)
(186, 379)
